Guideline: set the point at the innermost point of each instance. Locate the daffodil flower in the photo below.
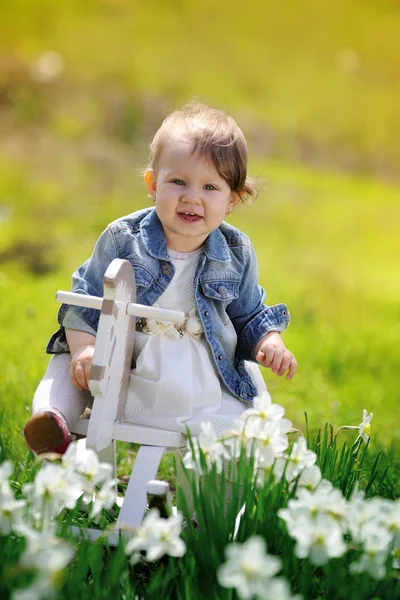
(48, 557)
(210, 445)
(365, 426)
(299, 458)
(248, 568)
(158, 536)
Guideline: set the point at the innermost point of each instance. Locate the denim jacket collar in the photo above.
(215, 247)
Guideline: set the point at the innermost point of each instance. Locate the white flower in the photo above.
(10, 508)
(309, 478)
(53, 481)
(248, 568)
(212, 448)
(240, 436)
(365, 426)
(300, 458)
(105, 497)
(324, 501)
(10, 514)
(261, 430)
(278, 589)
(391, 519)
(269, 442)
(233, 440)
(52, 489)
(333, 503)
(363, 514)
(158, 536)
(48, 556)
(87, 466)
(377, 544)
(374, 525)
(319, 539)
(194, 325)
(263, 409)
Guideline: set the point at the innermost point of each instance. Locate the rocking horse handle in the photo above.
(135, 310)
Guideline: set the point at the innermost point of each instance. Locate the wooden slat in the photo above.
(149, 436)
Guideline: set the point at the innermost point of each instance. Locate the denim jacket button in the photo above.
(222, 290)
(206, 313)
(284, 313)
(166, 269)
(220, 357)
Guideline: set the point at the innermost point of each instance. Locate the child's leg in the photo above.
(55, 391)
(57, 405)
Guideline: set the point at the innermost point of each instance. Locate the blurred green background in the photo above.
(314, 85)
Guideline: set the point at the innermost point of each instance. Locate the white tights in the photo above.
(56, 392)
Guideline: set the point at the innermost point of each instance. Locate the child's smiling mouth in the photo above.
(189, 217)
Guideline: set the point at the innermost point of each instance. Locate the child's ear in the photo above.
(150, 183)
(235, 199)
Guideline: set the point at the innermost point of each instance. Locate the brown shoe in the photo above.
(47, 432)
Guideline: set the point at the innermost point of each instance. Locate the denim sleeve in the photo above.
(88, 279)
(251, 318)
(73, 320)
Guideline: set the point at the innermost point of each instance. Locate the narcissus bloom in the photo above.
(365, 426)
(158, 536)
(248, 568)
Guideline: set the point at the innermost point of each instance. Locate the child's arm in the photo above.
(258, 326)
(271, 352)
(78, 325)
(87, 279)
(81, 345)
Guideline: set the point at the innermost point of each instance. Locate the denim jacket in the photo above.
(228, 298)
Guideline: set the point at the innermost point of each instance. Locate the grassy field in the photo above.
(316, 93)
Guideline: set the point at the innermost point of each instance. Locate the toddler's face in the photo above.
(191, 197)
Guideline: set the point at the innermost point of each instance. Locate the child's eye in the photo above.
(178, 181)
(208, 186)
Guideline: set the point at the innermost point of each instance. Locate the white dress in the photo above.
(175, 383)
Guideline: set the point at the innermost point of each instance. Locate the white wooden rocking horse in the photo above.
(108, 385)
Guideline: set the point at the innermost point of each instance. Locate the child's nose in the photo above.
(191, 195)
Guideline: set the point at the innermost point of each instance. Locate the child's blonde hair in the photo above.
(215, 135)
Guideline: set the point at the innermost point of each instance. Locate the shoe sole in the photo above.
(42, 433)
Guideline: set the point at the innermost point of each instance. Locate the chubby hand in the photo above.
(81, 365)
(272, 353)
